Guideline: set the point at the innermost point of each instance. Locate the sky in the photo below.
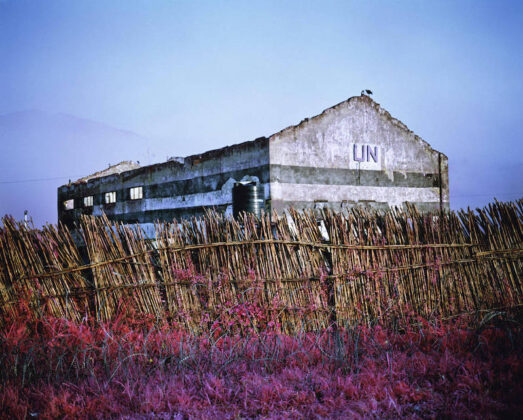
(182, 77)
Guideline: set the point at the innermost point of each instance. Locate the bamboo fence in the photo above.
(306, 269)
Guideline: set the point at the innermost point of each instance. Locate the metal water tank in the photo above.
(247, 197)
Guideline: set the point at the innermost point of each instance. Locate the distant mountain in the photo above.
(41, 151)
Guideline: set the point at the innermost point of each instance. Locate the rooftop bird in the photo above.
(366, 92)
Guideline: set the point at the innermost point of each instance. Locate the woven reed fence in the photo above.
(356, 265)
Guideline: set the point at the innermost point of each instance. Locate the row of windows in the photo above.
(135, 193)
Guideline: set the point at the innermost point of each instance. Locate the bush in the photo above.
(133, 367)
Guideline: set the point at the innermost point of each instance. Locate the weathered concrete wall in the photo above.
(172, 189)
(355, 152)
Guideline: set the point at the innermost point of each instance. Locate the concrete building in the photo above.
(353, 153)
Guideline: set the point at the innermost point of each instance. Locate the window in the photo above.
(136, 193)
(110, 197)
(69, 204)
(88, 201)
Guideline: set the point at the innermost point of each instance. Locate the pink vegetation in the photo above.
(135, 369)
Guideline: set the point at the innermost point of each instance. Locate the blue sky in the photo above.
(190, 76)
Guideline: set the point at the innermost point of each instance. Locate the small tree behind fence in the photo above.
(300, 271)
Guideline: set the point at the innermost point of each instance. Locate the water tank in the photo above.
(247, 197)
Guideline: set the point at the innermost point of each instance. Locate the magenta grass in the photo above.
(52, 368)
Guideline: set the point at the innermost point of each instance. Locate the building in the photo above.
(353, 153)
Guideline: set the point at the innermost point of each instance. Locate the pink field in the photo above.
(133, 369)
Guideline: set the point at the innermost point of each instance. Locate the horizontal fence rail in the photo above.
(506, 253)
(301, 270)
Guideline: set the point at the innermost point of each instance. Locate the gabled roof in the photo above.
(369, 101)
(128, 165)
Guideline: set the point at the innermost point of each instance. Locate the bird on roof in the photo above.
(366, 92)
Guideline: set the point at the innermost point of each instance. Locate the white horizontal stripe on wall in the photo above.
(395, 196)
(213, 198)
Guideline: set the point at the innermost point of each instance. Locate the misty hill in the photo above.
(41, 151)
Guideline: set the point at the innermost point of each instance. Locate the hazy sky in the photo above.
(190, 76)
